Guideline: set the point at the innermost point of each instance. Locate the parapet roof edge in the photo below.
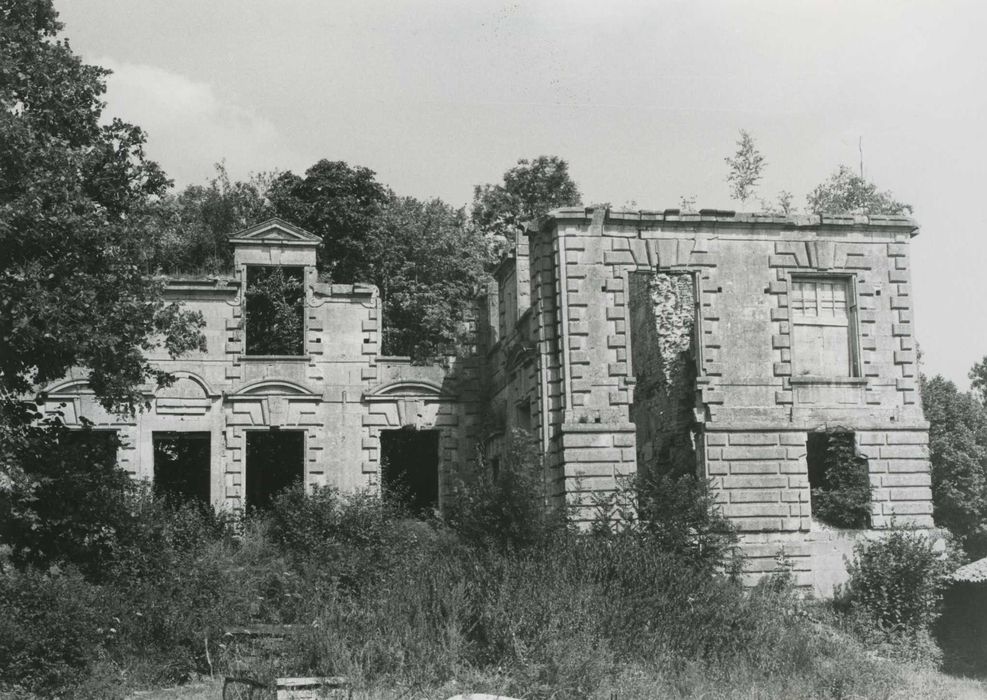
(676, 217)
(299, 236)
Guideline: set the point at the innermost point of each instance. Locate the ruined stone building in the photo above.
(621, 340)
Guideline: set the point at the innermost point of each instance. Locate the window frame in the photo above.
(855, 369)
(304, 355)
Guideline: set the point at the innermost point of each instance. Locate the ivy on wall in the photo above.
(839, 480)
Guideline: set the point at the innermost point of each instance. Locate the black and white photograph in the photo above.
(493, 350)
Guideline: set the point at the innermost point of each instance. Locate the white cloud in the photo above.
(190, 126)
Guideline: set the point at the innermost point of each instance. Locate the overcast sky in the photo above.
(643, 99)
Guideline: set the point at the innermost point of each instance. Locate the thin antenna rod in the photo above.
(860, 148)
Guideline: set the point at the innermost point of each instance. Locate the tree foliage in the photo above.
(898, 580)
(846, 192)
(342, 205)
(71, 290)
(530, 189)
(65, 498)
(958, 455)
(505, 507)
(189, 232)
(840, 479)
(427, 262)
(744, 168)
(423, 256)
(275, 320)
(978, 379)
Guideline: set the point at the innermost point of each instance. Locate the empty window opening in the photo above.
(822, 327)
(410, 468)
(275, 311)
(663, 325)
(522, 415)
(839, 480)
(181, 466)
(275, 461)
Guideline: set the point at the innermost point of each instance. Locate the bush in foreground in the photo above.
(894, 593)
(391, 602)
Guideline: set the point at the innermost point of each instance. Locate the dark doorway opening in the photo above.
(275, 461)
(410, 467)
(181, 466)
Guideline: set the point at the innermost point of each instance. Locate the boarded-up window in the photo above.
(822, 327)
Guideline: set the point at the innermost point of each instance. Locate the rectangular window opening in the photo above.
(823, 327)
(664, 325)
(410, 468)
(839, 480)
(182, 466)
(275, 462)
(274, 311)
(522, 415)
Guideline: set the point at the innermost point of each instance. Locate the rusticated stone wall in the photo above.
(600, 360)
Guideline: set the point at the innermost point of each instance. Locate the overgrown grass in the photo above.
(393, 603)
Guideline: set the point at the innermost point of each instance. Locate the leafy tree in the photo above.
(423, 256)
(72, 290)
(189, 231)
(72, 293)
(744, 168)
(339, 203)
(958, 454)
(846, 192)
(65, 501)
(427, 262)
(530, 189)
(978, 379)
(275, 318)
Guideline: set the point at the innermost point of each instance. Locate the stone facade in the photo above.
(611, 294)
(341, 393)
(619, 339)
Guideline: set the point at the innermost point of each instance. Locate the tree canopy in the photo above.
(427, 261)
(846, 192)
(529, 190)
(958, 455)
(189, 231)
(978, 379)
(339, 203)
(71, 291)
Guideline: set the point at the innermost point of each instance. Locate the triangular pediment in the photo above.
(275, 232)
